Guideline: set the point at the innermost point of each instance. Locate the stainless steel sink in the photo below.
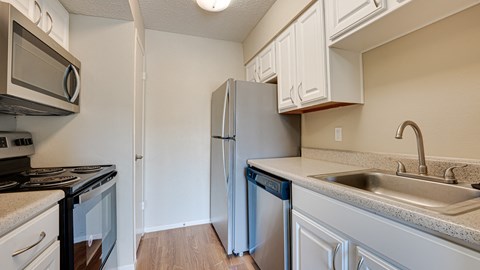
(443, 198)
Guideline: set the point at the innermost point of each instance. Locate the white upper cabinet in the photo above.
(346, 13)
(55, 21)
(49, 15)
(251, 71)
(361, 25)
(266, 63)
(311, 61)
(286, 69)
(263, 67)
(310, 75)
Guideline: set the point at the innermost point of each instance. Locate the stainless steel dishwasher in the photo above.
(268, 220)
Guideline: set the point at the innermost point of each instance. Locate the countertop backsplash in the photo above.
(383, 161)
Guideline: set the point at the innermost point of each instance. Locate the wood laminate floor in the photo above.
(189, 248)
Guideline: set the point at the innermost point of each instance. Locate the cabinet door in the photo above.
(251, 71)
(56, 21)
(285, 57)
(347, 13)
(311, 64)
(22, 5)
(365, 260)
(266, 63)
(315, 247)
(48, 260)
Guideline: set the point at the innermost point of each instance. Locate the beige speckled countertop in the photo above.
(19, 207)
(463, 229)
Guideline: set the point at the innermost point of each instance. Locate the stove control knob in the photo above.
(18, 142)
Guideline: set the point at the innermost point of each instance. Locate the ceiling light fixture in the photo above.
(213, 5)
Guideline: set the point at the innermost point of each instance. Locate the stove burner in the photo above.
(45, 171)
(8, 184)
(87, 169)
(54, 181)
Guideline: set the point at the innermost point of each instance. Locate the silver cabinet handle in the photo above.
(360, 263)
(291, 98)
(300, 92)
(20, 251)
(335, 255)
(376, 3)
(257, 78)
(40, 12)
(51, 23)
(137, 157)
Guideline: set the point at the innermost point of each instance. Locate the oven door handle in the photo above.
(96, 191)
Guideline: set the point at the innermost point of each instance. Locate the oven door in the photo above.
(94, 225)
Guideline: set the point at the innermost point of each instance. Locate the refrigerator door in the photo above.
(222, 110)
(221, 162)
(220, 192)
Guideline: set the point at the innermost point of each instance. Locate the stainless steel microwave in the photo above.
(37, 75)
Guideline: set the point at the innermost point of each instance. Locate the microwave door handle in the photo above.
(95, 192)
(74, 97)
(77, 87)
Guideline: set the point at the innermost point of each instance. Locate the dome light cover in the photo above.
(213, 5)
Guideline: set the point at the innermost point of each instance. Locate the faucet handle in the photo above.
(449, 175)
(401, 167)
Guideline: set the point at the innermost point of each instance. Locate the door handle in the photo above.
(20, 251)
(335, 255)
(36, 22)
(51, 24)
(137, 157)
(65, 83)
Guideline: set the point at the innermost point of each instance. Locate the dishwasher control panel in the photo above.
(273, 184)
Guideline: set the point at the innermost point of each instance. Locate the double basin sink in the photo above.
(442, 198)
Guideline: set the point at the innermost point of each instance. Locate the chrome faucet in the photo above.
(448, 176)
(422, 166)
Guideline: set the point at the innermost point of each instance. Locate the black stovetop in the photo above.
(69, 179)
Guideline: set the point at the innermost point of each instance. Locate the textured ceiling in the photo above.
(115, 9)
(181, 16)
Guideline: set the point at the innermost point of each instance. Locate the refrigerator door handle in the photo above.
(225, 105)
(226, 173)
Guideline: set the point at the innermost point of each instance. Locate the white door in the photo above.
(285, 56)
(311, 67)
(315, 247)
(139, 139)
(266, 63)
(251, 71)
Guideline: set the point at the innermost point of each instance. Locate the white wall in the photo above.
(102, 132)
(280, 14)
(183, 71)
(431, 76)
(7, 123)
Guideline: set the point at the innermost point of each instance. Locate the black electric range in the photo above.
(88, 229)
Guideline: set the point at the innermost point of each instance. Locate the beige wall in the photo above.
(432, 77)
(182, 72)
(102, 132)
(8, 123)
(278, 17)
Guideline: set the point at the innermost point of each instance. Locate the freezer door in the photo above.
(221, 191)
(222, 111)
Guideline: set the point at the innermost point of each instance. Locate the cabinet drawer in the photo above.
(27, 235)
(48, 260)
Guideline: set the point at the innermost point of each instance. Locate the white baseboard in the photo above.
(177, 225)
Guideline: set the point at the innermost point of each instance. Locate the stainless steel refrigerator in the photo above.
(245, 124)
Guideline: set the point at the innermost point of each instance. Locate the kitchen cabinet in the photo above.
(370, 237)
(33, 245)
(347, 13)
(49, 15)
(365, 260)
(310, 75)
(316, 247)
(263, 67)
(55, 21)
(361, 25)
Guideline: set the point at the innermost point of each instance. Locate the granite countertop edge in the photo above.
(17, 208)
(462, 229)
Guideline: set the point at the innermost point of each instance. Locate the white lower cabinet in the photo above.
(315, 247)
(367, 241)
(365, 260)
(33, 245)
